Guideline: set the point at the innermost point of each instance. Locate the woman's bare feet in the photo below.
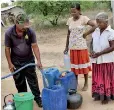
(96, 99)
(104, 102)
(85, 87)
(85, 83)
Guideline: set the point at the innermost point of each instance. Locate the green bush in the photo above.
(50, 12)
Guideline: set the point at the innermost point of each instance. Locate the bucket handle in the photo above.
(6, 97)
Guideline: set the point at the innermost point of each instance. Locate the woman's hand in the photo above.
(84, 35)
(66, 51)
(95, 55)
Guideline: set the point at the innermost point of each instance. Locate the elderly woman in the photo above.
(103, 60)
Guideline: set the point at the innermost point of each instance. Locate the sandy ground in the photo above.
(51, 43)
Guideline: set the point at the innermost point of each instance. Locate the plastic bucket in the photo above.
(24, 101)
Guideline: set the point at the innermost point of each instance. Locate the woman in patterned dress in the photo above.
(77, 44)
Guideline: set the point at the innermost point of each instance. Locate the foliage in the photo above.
(53, 10)
(3, 5)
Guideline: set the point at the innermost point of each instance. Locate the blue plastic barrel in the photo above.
(54, 98)
(68, 81)
(51, 75)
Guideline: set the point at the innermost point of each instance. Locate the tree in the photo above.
(51, 10)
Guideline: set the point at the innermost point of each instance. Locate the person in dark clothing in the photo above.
(20, 44)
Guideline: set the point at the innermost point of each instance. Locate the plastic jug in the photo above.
(68, 81)
(51, 74)
(67, 63)
(54, 98)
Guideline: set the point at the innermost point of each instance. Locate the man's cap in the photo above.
(21, 18)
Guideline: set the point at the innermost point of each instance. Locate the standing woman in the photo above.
(103, 60)
(77, 44)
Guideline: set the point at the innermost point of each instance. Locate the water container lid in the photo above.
(23, 96)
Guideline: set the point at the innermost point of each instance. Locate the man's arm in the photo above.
(35, 48)
(37, 54)
(7, 53)
(7, 50)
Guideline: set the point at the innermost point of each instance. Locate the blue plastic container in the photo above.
(54, 98)
(51, 75)
(68, 81)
